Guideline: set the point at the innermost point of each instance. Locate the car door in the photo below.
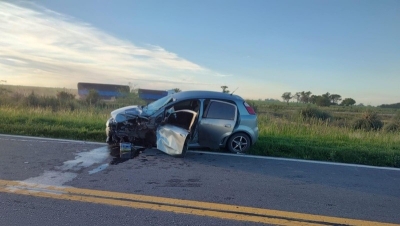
(172, 135)
(218, 121)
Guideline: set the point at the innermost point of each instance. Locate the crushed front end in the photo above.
(129, 125)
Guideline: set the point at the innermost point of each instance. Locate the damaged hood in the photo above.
(121, 114)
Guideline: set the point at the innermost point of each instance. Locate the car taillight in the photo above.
(249, 109)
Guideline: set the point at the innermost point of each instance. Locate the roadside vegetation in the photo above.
(353, 135)
(339, 133)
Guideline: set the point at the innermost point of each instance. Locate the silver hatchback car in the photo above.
(186, 119)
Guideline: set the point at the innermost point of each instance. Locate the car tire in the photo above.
(239, 143)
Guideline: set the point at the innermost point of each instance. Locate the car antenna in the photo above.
(234, 91)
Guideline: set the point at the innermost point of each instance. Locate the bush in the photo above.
(310, 112)
(276, 107)
(392, 127)
(396, 117)
(32, 100)
(394, 124)
(322, 101)
(340, 123)
(65, 96)
(369, 121)
(93, 97)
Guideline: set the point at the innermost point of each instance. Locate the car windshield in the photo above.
(154, 106)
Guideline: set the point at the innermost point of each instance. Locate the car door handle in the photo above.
(228, 125)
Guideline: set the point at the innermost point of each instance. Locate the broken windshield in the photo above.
(156, 105)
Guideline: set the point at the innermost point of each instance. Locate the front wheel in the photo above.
(239, 143)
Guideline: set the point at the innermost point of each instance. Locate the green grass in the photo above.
(80, 125)
(318, 140)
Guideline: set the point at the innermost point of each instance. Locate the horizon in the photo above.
(265, 99)
(263, 48)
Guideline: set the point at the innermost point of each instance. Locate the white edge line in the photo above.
(297, 160)
(225, 154)
(51, 139)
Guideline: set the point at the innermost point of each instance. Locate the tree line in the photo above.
(326, 99)
(396, 105)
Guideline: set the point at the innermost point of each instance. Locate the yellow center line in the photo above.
(207, 209)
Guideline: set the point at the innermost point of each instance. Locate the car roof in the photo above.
(205, 94)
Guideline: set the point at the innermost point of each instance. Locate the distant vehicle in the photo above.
(150, 95)
(105, 91)
(186, 119)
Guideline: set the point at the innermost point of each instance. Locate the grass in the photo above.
(282, 131)
(79, 125)
(40, 91)
(318, 140)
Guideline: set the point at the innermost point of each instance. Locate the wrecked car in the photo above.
(186, 119)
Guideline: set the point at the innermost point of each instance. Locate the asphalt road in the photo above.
(58, 182)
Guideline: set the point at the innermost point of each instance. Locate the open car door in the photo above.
(175, 131)
(218, 121)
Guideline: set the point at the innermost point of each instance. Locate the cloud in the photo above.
(43, 47)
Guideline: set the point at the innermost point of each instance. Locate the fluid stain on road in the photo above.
(71, 168)
(120, 157)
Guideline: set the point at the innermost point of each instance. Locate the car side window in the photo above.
(221, 110)
(193, 105)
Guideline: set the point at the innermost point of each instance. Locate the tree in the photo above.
(335, 98)
(177, 90)
(225, 89)
(322, 101)
(397, 105)
(93, 97)
(131, 98)
(287, 96)
(348, 102)
(131, 86)
(297, 96)
(327, 94)
(305, 97)
(313, 99)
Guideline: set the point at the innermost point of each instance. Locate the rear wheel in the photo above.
(239, 143)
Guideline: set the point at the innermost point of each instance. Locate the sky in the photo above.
(260, 48)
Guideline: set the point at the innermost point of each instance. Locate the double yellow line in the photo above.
(207, 209)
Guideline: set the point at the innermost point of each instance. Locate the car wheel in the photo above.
(239, 143)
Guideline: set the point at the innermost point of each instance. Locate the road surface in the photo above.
(60, 182)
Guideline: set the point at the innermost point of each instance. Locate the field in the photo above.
(40, 91)
(285, 133)
(293, 131)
